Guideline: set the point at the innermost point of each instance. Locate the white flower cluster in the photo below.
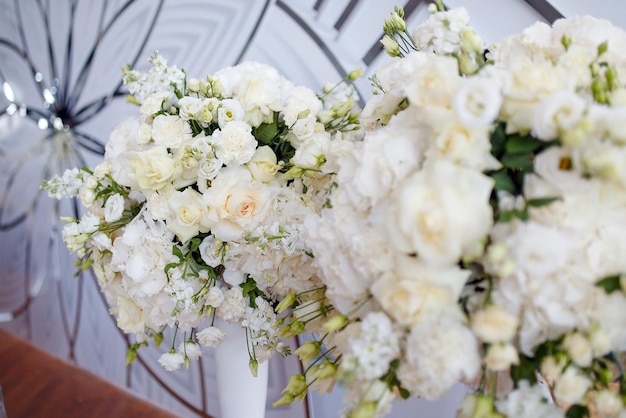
(483, 214)
(66, 185)
(197, 208)
(161, 78)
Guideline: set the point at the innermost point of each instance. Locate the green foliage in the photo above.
(610, 283)
(577, 411)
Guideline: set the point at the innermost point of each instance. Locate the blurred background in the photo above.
(61, 96)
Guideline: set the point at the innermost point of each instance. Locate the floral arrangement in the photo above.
(196, 212)
(476, 233)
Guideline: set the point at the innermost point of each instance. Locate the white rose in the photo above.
(263, 165)
(455, 142)
(234, 144)
(419, 291)
(190, 108)
(379, 164)
(211, 336)
(477, 102)
(87, 196)
(171, 361)
(600, 340)
(551, 369)
(130, 317)
(551, 179)
(114, 208)
(212, 251)
(435, 83)
(500, 357)
(571, 386)
(208, 169)
(144, 134)
(302, 130)
(259, 87)
(170, 131)
(494, 324)
(239, 201)
(190, 349)
(214, 297)
(607, 403)
(153, 169)
(300, 102)
(189, 215)
(531, 81)
(605, 161)
(440, 213)
(579, 349)
(310, 154)
(154, 103)
(101, 241)
(556, 113)
(229, 110)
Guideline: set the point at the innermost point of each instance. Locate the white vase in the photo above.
(241, 395)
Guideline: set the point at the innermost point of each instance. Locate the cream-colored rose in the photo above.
(551, 369)
(579, 349)
(501, 357)
(239, 201)
(419, 291)
(263, 165)
(435, 83)
(130, 317)
(440, 213)
(600, 340)
(571, 386)
(607, 404)
(170, 131)
(455, 142)
(531, 81)
(153, 168)
(189, 214)
(494, 324)
(144, 134)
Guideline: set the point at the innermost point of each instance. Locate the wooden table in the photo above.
(38, 385)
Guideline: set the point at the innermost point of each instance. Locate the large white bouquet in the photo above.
(476, 235)
(197, 209)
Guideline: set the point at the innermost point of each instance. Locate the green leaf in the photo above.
(540, 202)
(498, 139)
(195, 244)
(610, 284)
(170, 266)
(178, 252)
(525, 370)
(522, 162)
(266, 132)
(522, 144)
(503, 182)
(577, 411)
